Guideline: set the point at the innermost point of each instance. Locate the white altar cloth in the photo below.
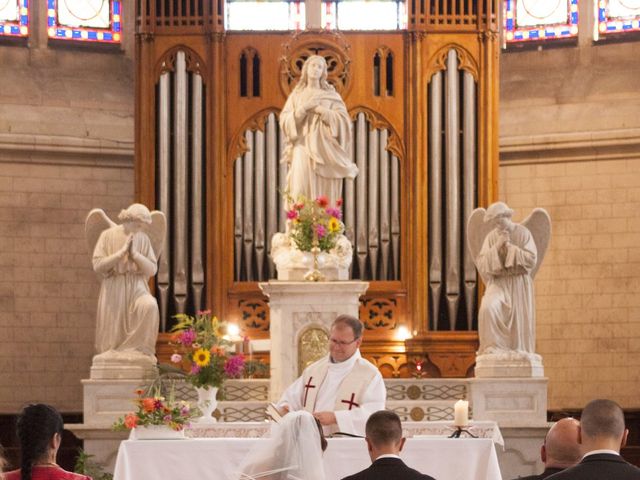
(217, 458)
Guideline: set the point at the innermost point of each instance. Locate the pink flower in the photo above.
(167, 418)
(335, 212)
(321, 231)
(184, 410)
(291, 214)
(204, 312)
(322, 201)
(187, 337)
(195, 369)
(234, 366)
(176, 358)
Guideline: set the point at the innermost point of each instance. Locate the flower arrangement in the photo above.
(156, 410)
(201, 348)
(314, 220)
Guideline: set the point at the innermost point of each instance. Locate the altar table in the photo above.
(218, 458)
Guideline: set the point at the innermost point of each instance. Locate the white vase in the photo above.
(207, 404)
(156, 432)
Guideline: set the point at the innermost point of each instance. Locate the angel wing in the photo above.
(157, 231)
(97, 221)
(539, 224)
(477, 230)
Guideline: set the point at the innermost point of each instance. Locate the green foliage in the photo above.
(86, 465)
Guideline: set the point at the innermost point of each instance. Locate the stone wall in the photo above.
(66, 146)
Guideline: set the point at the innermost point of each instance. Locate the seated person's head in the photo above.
(561, 448)
(384, 434)
(602, 426)
(39, 429)
(345, 337)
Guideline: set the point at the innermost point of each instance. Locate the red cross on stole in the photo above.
(351, 401)
(306, 391)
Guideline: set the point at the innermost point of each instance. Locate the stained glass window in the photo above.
(97, 21)
(364, 15)
(14, 18)
(535, 20)
(616, 16)
(264, 15)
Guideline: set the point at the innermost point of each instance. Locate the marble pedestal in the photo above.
(296, 307)
(509, 365)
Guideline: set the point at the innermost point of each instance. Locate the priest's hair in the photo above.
(383, 428)
(349, 321)
(602, 418)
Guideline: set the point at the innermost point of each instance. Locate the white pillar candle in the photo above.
(461, 413)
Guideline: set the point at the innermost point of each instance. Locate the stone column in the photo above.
(296, 307)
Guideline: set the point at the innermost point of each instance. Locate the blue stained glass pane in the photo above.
(518, 35)
(93, 35)
(574, 17)
(51, 22)
(533, 34)
(510, 24)
(601, 17)
(549, 33)
(116, 8)
(60, 32)
(76, 34)
(25, 3)
(626, 26)
(1, 28)
(116, 26)
(108, 36)
(611, 27)
(24, 20)
(51, 4)
(15, 30)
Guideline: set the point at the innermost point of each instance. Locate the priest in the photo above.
(342, 389)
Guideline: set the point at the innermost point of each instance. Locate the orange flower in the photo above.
(139, 391)
(131, 420)
(148, 404)
(217, 351)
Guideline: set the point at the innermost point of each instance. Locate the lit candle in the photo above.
(461, 413)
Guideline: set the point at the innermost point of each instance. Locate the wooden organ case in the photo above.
(424, 104)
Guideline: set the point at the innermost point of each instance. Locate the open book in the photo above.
(273, 413)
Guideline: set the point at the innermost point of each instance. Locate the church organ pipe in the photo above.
(197, 194)
(469, 189)
(180, 184)
(163, 135)
(237, 210)
(452, 187)
(272, 187)
(395, 215)
(385, 224)
(247, 211)
(435, 196)
(374, 195)
(259, 204)
(283, 168)
(349, 209)
(361, 186)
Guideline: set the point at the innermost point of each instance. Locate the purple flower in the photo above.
(234, 366)
(167, 418)
(335, 212)
(184, 410)
(187, 337)
(176, 358)
(321, 231)
(195, 369)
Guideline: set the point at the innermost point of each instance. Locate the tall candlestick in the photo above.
(461, 413)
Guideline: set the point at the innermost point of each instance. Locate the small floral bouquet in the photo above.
(201, 346)
(155, 410)
(313, 221)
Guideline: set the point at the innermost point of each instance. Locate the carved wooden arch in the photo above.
(378, 121)
(167, 62)
(238, 144)
(438, 61)
(332, 46)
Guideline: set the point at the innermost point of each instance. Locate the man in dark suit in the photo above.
(560, 449)
(602, 434)
(384, 442)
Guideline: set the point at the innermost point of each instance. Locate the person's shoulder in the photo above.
(12, 475)
(366, 363)
(317, 363)
(356, 476)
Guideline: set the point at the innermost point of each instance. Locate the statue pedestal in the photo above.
(297, 308)
(512, 402)
(509, 365)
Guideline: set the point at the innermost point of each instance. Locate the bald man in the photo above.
(602, 434)
(560, 449)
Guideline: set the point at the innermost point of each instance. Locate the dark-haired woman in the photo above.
(40, 433)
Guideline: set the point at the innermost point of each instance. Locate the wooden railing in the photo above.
(458, 15)
(179, 16)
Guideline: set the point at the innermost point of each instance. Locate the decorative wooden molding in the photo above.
(379, 313)
(438, 61)
(167, 62)
(254, 314)
(330, 45)
(378, 121)
(452, 353)
(238, 144)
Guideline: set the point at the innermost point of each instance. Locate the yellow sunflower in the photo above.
(202, 357)
(334, 225)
